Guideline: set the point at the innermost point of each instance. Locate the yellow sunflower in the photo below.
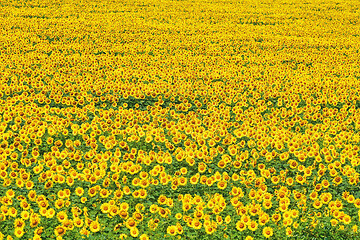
(241, 226)
(19, 232)
(94, 226)
(60, 231)
(267, 232)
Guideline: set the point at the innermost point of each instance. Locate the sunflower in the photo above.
(190, 161)
(162, 199)
(210, 181)
(287, 222)
(186, 207)
(334, 222)
(164, 212)
(105, 208)
(61, 179)
(123, 214)
(222, 184)
(267, 232)
(32, 195)
(182, 181)
(221, 163)
(69, 224)
(237, 164)
(94, 226)
(114, 211)
(276, 217)
(254, 209)
(317, 204)
(313, 195)
(25, 215)
(194, 179)
(130, 223)
(92, 192)
(19, 232)
(154, 208)
(61, 216)
(3, 175)
(275, 179)
(227, 219)
(20, 183)
(124, 206)
(19, 223)
(267, 204)
(241, 226)
(49, 213)
(84, 231)
(263, 219)
(202, 167)
(25, 205)
(12, 212)
(144, 237)
(126, 190)
(289, 231)
(180, 229)
(134, 232)
(289, 181)
(70, 181)
(253, 225)
(170, 202)
(198, 214)
(14, 156)
(337, 180)
(300, 179)
(196, 224)
(59, 203)
(43, 211)
(357, 202)
(49, 184)
(283, 207)
(252, 194)
(104, 193)
(210, 230)
(61, 194)
(148, 139)
(183, 170)
(235, 177)
(351, 198)
(338, 204)
(138, 216)
(355, 228)
(60, 231)
(347, 219)
(39, 230)
(172, 230)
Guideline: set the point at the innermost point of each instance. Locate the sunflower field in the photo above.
(179, 119)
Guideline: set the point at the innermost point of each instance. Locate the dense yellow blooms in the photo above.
(152, 120)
